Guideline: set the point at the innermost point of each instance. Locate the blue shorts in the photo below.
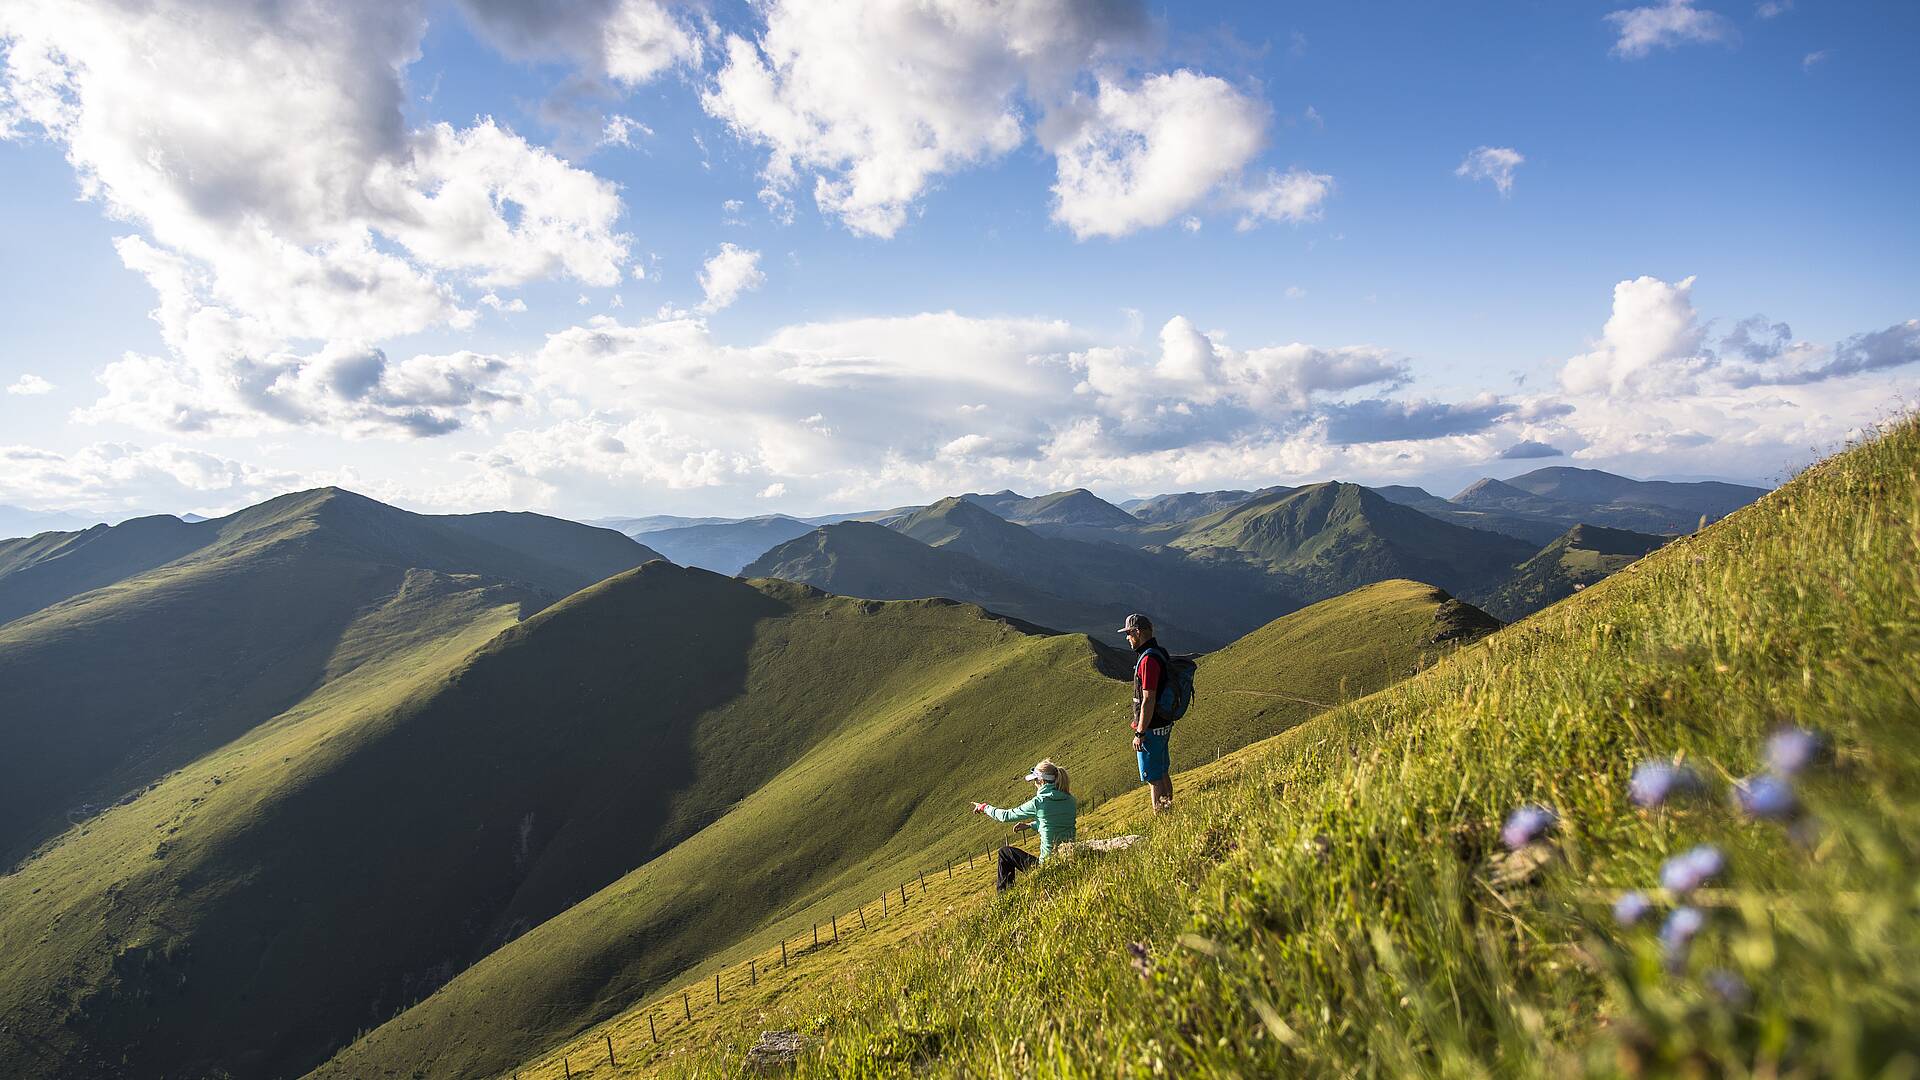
(1153, 757)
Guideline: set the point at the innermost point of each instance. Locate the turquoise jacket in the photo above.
(1052, 812)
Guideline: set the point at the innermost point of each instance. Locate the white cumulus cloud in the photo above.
(729, 275)
(872, 101)
(1134, 157)
(285, 199)
(30, 385)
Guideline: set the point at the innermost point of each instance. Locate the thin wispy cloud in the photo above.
(1667, 25)
(1495, 164)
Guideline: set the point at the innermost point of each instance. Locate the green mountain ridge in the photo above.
(1326, 538)
(1583, 556)
(113, 685)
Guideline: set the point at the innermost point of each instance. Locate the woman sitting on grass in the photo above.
(1052, 810)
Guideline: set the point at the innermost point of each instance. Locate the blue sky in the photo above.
(303, 302)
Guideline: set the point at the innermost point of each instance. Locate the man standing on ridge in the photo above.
(1150, 731)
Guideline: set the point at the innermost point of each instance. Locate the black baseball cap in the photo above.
(1136, 621)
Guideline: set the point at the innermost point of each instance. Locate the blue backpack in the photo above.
(1176, 693)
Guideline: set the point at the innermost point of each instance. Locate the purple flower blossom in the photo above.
(1688, 871)
(1631, 908)
(1728, 987)
(1654, 782)
(1527, 824)
(1766, 798)
(1791, 750)
(1677, 934)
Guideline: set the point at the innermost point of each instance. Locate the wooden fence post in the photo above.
(610, 1060)
(949, 867)
(716, 988)
(836, 926)
(753, 973)
(567, 1065)
(883, 904)
(903, 894)
(923, 881)
(651, 1030)
(816, 935)
(862, 909)
(685, 1006)
(783, 954)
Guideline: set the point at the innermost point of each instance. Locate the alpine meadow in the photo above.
(976, 539)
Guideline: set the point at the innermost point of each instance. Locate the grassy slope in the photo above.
(1578, 558)
(39, 571)
(1328, 538)
(1329, 910)
(108, 689)
(101, 936)
(886, 796)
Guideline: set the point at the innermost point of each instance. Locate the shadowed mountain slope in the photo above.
(885, 791)
(1212, 600)
(116, 684)
(1534, 530)
(873, 562)
(1328, 538)
(1077, 507)
(1584, 555)
(1188, 505)
(42, 570)
(1571, 496)
(1711, 498)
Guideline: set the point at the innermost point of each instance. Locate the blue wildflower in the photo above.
(1527, 824)
(1631, 908)
(1688, 871)
(1766, 798)
(1791, 750)
(1654, 782)
(1677, 934)
(1728, 987)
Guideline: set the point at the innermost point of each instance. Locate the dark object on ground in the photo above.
(1012, 861)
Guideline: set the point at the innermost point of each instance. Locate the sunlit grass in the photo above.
(1335, 908)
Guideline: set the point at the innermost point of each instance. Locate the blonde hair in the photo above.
(1059, 774)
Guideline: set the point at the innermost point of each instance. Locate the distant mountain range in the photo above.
(17, 522)
(959, 548)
